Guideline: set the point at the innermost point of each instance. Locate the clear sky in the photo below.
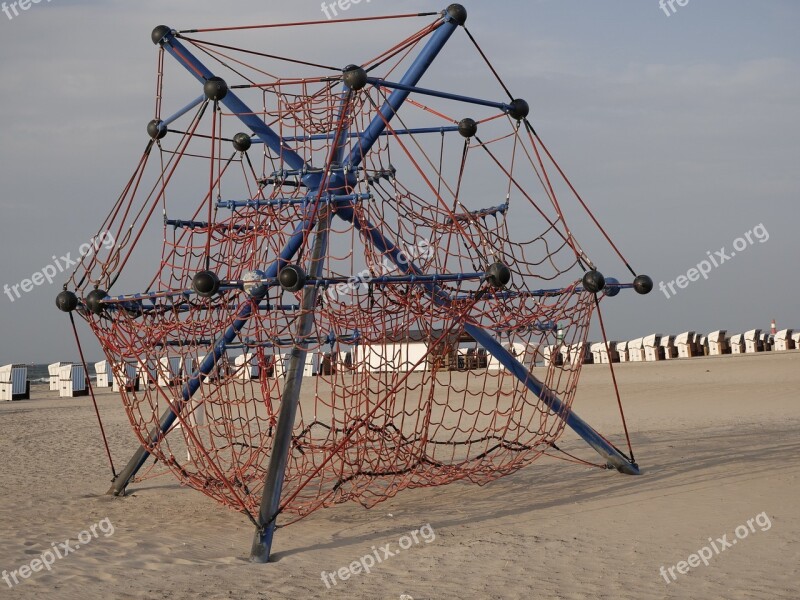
(681, 131)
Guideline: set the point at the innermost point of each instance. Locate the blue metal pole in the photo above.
(290, 400)
(194, 103)
(437, 94)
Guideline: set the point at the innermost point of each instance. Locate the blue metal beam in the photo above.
(193, 104)
(437, 94)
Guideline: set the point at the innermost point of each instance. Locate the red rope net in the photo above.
(396, 394)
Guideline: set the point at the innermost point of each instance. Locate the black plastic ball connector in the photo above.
(156, 129)
(468, 128)
(519, 109)
(206, 284)
(94, 301)
(611, 289)
(458, 13)
(66, 301)
(215, 89)
(159, 33)
(354, 77)
(643, 284)
(242, 142)
(594, 282)
(498, 275)
(292, 278)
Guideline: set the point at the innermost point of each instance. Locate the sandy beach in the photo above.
(716, 439)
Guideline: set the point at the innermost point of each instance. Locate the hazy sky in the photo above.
(681, 131)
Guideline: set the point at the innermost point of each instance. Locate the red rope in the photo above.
(614, 377)
(304, 23)
(94, 400)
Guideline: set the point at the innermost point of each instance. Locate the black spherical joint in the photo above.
(159, 33)
(94, 301)
(354, 77)
(594, 282)
(611, 287)
(215, 88)
(242, 142)
(458, 13)
(292, 278)
(498, 275)
(643, 284)
(519, 109)
(66, 301)
(206, 284)
(156, 129)
(468, 128)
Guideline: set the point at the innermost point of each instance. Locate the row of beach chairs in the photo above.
(175, 370)
(657, 347)
(66, 378)
(71, 380)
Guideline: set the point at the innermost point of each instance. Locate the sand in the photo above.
(716, 438)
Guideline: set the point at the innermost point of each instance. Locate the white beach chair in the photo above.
(737, 343)
(700, 345)
(685, 344)
(718, 343)
(622, 351)
(281, 361)
(668, 347)
(636, 350)
(412, 356)
(14, 384)
(652, 347)
(784, 341)
(563, 350)
(246, 366)
(597, 350)
(169, 371)
(552, 355)
(580, 354)
(101, 373)
(767, 342)
(603, 355)
(54, 370)
(72, 379)
(124, 377)
(753, 342)
(310, 367)
(796, 339)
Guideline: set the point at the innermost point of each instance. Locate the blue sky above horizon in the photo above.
(681, 132)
